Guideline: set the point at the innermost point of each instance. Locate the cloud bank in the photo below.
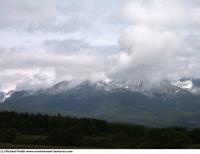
(50, 41)
(160, 41)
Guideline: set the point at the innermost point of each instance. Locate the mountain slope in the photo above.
(169, 105)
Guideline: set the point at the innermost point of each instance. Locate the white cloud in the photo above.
(26, 68)
(160, 41)
(44, 42)
(163, 13)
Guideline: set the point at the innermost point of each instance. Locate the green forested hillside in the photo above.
(30, 130)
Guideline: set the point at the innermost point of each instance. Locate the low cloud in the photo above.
(26, 68)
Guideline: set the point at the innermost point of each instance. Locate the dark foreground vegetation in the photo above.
(22, 130)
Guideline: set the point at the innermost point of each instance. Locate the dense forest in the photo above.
(67, 132)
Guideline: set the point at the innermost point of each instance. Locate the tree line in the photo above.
(66, 131)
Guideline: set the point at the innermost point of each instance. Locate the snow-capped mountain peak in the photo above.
(165, 88)
(109, 85)
(4, 96)
(57, 88)
(187, 84)
(107, 80)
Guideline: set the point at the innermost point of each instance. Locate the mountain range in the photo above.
(167, 104)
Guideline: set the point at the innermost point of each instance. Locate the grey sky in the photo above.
(43, 42)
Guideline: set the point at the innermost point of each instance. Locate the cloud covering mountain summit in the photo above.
(160, 41)
(50, 41)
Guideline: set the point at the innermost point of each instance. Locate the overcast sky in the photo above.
(47, 41)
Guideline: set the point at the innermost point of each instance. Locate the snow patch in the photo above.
(184, 84)
(6, 96)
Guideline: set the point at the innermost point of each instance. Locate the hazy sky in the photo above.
(46, 41)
